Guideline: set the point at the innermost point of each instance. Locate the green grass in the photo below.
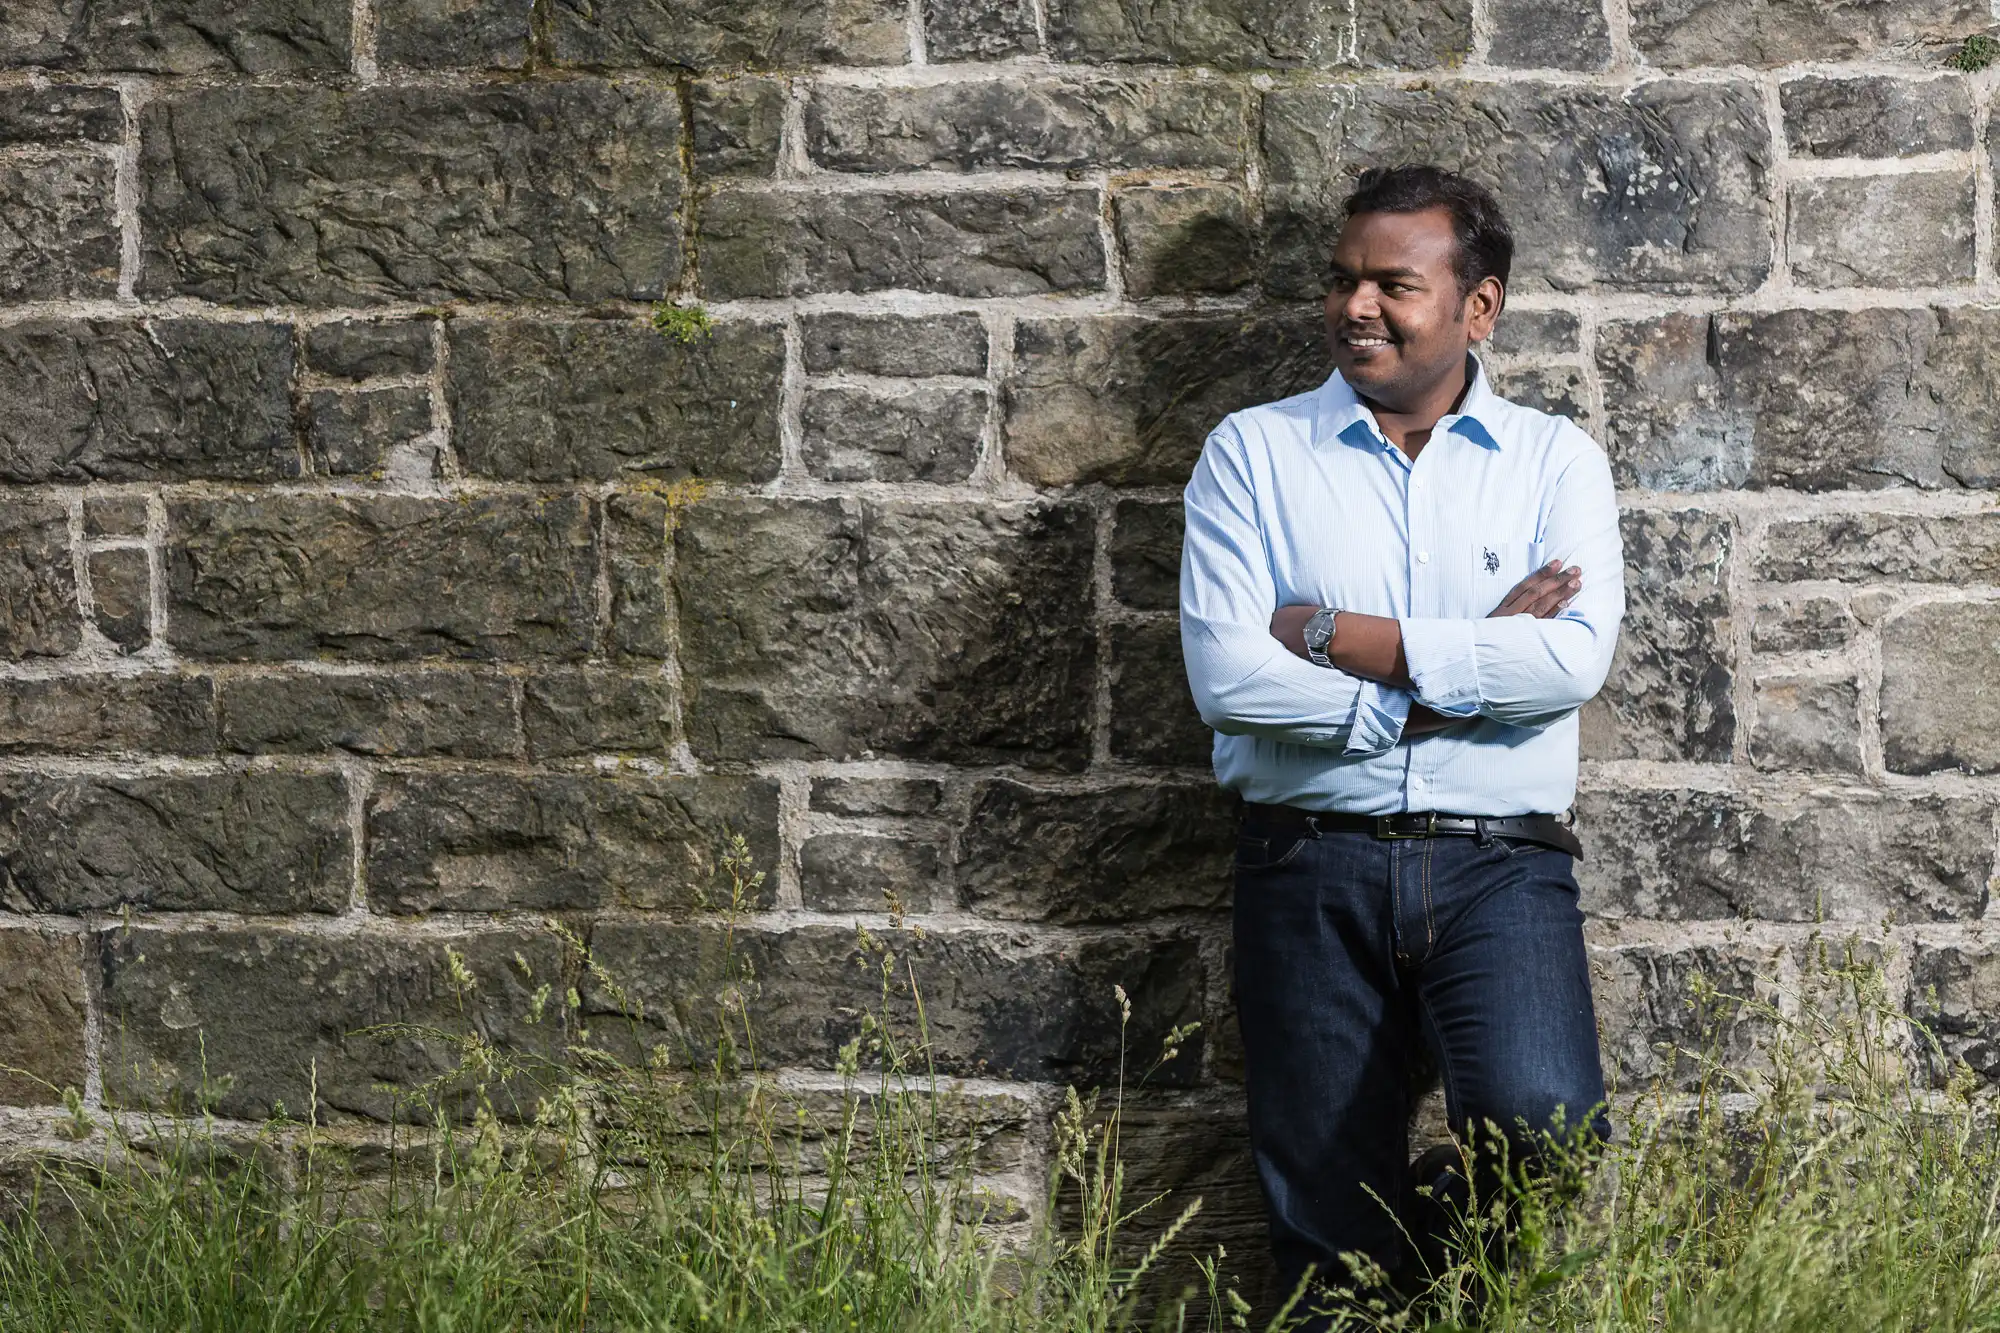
(1974, 54)
(1827, 1189)
(669, 1191)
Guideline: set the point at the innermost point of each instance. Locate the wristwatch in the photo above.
(1319, 633)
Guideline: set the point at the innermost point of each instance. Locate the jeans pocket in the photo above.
(1256, 855)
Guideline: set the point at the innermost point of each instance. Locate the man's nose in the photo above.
(1363, 305)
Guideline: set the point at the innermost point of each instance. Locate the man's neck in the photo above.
(1409, 428)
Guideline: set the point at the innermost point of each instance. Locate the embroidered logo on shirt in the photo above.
(1492, 561)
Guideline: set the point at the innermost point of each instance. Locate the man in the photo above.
(1396, 592)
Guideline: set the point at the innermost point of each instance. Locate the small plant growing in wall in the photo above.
(682, 323)
(1975, 53)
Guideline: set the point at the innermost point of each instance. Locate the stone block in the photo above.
(1153, 718)
(58, 235)
(562, 190)
(462, 714)
(833, 629)
(1128, 401)
(1854, 231)
(39, 616)
(736, 126)
(1660, 188)
(491, 842)
(381, 578)
(1662, 1008)
(121, 596)
(1786, 622)
(868, 872)
(60, 114)
(257, 1019)
(597, 400)
(922, 433)
(1810, 399)
(146, 400)
(228, 37)
(453, 34)
(1807, 721)
(997, 1003)
(1549, 34)
(1940, 692)
(185, 842)
(979, 29)
(353, 433)
(1677, 33)
(1562, 391)
(1183, 238)
(1951, 993)
(41, 1016)
(1668, 693)
(1861, 548)
(114, 516)
(894, 344)
(1146, 554)
(1265, 34)
(1178, 1148)
(1021, 241)
(366, 349)
(1869, 115)
(1046, 124)
(876, 796)
(1850, 855)
(710, 35)
(157, 712)
(591, 712)
(637, 528)
(1114, 854)
(1531, 334)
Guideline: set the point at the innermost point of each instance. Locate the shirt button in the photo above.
(1423, 557)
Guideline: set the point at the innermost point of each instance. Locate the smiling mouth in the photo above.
(1355, 340)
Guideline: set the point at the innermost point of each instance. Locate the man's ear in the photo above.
(1482, 308)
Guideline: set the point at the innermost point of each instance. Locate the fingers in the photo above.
(1543, 593)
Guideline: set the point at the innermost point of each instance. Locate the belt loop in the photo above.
(1485, 839)
(1312, 826)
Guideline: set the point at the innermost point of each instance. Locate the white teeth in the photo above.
(1367, 342)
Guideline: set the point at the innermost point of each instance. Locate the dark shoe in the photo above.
(1439, 1195)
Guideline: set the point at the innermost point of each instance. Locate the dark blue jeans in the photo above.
(1361, 964)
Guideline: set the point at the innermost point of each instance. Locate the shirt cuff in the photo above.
(1444, 669)
(1379, 714)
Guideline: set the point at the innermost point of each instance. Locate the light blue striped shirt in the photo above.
(1305, 501)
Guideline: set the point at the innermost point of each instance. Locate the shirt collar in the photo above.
(1341, 411)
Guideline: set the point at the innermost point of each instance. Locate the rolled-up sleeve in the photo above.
(1245, 683)
(1518, 669)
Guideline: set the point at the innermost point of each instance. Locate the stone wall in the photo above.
(342, 621)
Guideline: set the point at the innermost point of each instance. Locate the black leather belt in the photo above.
(1545, 830)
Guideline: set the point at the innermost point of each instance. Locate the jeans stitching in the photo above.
(1430, 925)
(1396, 898)
(1291, 855)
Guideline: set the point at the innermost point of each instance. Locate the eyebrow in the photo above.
(1381, 272)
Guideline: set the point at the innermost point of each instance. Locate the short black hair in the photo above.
(1485, 241)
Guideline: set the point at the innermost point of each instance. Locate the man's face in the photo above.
(1395, 320)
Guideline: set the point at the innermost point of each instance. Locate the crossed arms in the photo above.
(1534, 659)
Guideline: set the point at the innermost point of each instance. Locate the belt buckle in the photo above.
(1385, 828)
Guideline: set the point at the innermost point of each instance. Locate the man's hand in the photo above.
(1543, 594)
(1423, 722)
